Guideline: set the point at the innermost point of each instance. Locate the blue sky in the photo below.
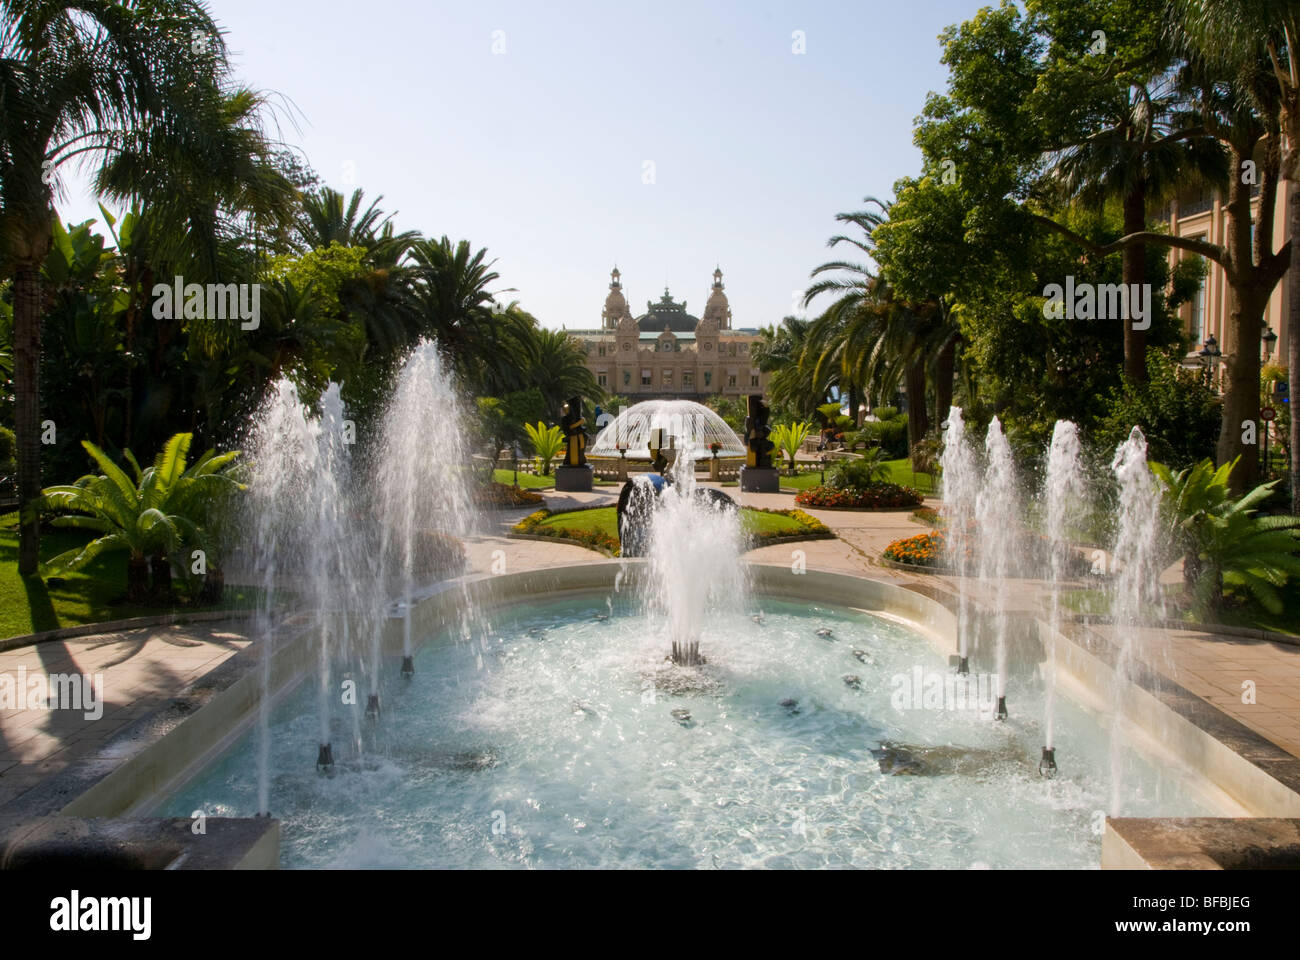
(539, 151)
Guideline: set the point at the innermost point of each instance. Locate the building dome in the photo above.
(667, 314)
(691, 424)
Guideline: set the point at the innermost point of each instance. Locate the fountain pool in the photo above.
(566, 740)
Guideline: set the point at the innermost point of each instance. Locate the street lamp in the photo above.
(1270, 341)
(1210, 355)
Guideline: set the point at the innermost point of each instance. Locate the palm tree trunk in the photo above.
(1134, 273)
(945, 374)
(137, 579)
(27, 409)
(1241, 391)
(917, 421)
(1293, 330)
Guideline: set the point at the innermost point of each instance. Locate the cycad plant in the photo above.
(1226, 544)
(164, 507)
(790, 437)
(547, 443)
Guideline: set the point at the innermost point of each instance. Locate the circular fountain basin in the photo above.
(564, 740)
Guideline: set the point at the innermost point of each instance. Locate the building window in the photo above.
(602, 379)
(1197, 326)
(732, 350)
(645, 378)
(753, 379)
(708, 377)
(602, 349)
(627, 378)
(744, 348)
(668, 378)
(688, 379)
(731, 380)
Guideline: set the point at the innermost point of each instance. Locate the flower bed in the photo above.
(929, 516)
(504, 495)
(922, 550)
(533, 525)
(877, 496)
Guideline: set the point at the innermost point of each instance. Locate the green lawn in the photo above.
(89, 595)
(900, 472)
(526, 480)
(605, 519)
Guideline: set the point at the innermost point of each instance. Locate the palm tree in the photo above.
(875, 340)
(89, 80)
(778, 352)
(452, 299)
(1143, 149)
(558, 368)
(325, 220)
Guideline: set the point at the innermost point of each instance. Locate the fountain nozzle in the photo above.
(408, 667)
(1002, 709)
(1047, 765)
(325, 759)
(372, 707)
(963, 668)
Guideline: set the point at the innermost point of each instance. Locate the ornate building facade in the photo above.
(666, 352)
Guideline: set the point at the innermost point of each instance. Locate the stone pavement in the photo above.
(140, 669)
(144, 667)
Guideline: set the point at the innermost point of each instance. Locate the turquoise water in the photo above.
(554, 745)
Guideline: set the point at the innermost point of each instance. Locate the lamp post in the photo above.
(1210, 355)
(1270, 341)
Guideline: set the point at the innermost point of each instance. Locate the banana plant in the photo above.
(547, 443)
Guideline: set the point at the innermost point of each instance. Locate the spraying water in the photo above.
(996, 514)
(1137, 582)
(329, 586)
(1064, 493)
(421, 492)
(961, 485)
(694, 557)
(283, 458)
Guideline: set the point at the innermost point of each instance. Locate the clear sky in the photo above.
(540, 151)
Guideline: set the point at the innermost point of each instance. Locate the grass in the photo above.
(897, 471)
(528, 481)
(90, 595)
(605, 520)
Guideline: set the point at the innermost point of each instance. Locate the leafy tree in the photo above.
(1176, 409)
(1011, 108)
(501, 420)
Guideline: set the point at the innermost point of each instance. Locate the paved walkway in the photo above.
(142, 668)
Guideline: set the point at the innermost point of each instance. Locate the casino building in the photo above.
(668, 353)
